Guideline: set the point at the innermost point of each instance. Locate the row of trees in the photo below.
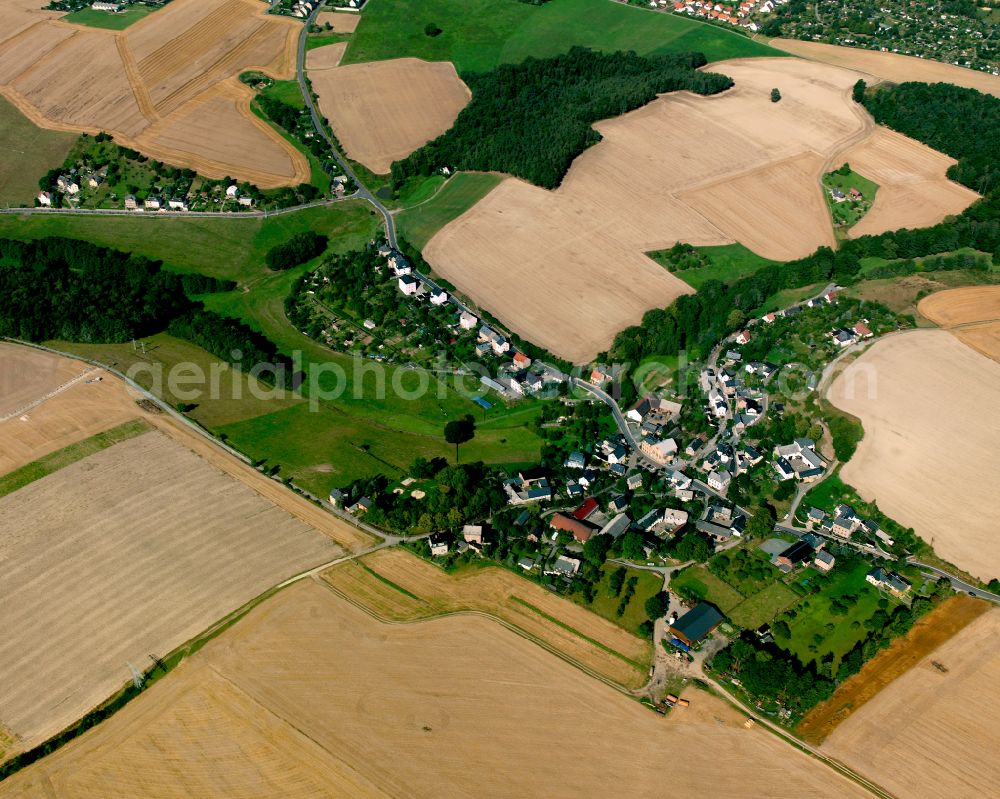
(532, 119)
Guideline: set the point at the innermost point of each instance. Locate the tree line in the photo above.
(532, 119)
(963, 123)
(297, 250)
(59, 288)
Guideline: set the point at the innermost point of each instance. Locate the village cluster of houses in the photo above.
(739, 14)
(829, 298)
(845, 522)
(889, 581)
(799, 461)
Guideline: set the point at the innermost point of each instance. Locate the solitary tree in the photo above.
(775, 95)
(432, 30)
(458, 431)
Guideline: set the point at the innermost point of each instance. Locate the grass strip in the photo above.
(53, 462)
(587, 638)
(389, 582)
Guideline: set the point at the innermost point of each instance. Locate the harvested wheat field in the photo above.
(933, 732)
(418, 590)
(972, 314)
(131, 551)
(927, 456)
(48, 402)
(384, 110)
(890, 66)
(931, 631)
(565, 269)
(309, 696)
(19, 15)
(913, 190)
(340, 21)
(326, 57)
(146, 84)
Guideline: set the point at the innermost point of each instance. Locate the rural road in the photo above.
(363, 192)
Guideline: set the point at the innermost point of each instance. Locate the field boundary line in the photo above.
(486, 615)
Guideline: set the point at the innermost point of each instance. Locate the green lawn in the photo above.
(837, 634)
(287, 92)
(762, 607)
(26, 153)
(727, 262)
(479, 34)
(227, 248)
(105, 19)
(606, 604)
(315, 40)
(848, 212)
(707, 587)
(391, 425)
(419, 223)
(62, 458)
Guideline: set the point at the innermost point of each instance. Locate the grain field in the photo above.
(933, 731)
(131, 551)
(384, 110)
(928, 454)
(311, 697)
(152, 84)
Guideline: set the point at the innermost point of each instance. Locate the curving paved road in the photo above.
(363, 193)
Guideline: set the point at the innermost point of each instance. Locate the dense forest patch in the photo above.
(532, 119)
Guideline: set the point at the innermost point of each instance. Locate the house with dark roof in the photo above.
(697, 624)
(795, 554)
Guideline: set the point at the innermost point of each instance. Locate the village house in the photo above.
(861, 330)
(526, 563)
(634, 481)
(45, 199)
(177, 205)
(232, 192)
(472, 533)
(824, 561)
(564, 567)
(887, 580)
(336, 497)
(363, 505)
(130, 202)
(576, 460)
(600, 375)
(617, 526)
(439, 297)
(247, 202)
(801, 459)
(409, 285)
(530, 485)
(660, 452)
(743, 337)
(660, 410)
(580, 530)
(719, 480)
(439, 544)
(151, 204)
(793, 555)
(521, 361)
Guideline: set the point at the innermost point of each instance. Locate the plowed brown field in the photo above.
(311, 697)
(148, 85)
(384, 110)
(589, 640)
(972, 314)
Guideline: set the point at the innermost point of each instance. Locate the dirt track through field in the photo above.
(152, 84)
(311, 697)
(927, 403)
(565, 269)
(932, 732)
